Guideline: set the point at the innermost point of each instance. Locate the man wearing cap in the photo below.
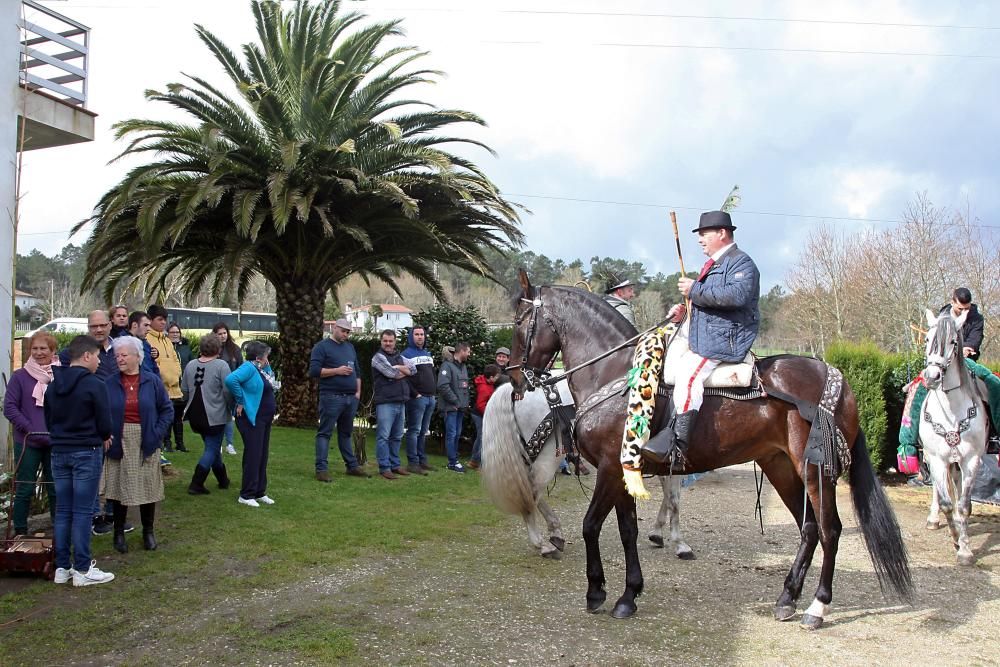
(724, 321)
(334, 362)
(618, 293)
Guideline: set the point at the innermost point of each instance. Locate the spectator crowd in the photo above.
(96, 418)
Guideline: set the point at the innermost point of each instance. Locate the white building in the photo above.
(43, 88)
(24, 301)
(394, 316)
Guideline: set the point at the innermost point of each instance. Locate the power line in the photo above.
(775, 214)
(765, 49)
(697, 17)
(612, 202)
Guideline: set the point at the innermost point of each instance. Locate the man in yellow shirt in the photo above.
(169, 364)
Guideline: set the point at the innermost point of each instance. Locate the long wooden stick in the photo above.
(680, 257)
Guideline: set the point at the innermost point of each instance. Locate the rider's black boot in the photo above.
(683, 427)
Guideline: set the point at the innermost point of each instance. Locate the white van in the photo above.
(62, 325)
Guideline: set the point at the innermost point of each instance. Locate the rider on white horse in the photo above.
(724, 321)
(972, 335)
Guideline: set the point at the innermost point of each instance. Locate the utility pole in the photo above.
(52, 299)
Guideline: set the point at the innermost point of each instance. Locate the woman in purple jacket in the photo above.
(23, 406)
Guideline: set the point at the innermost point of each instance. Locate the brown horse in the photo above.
(766, 430)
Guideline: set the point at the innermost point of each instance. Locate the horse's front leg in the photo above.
(934, 516)
(605, 492)
(969, 467)
(943, 489)
(628, 528)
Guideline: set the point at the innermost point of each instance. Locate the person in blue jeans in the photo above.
(79, 432)
(207, 408)
(334, 362)
(453, 394)
(391, 390)
(420, 407)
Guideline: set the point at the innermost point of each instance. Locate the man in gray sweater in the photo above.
(453, 398)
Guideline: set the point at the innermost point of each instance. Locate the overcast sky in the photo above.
(607, 115)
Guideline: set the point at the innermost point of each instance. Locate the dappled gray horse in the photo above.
(953, 429)
(517, 486)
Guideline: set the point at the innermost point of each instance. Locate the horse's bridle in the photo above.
(943, 365)
(533, 377)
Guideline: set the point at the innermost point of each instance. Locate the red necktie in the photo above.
(705, 269)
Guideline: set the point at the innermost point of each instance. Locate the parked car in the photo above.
(62, 325)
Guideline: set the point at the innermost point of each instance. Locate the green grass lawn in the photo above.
(211, 548)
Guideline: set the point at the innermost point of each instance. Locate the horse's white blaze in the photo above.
(818, 609)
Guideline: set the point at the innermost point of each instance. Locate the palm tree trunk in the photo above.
(300, 326)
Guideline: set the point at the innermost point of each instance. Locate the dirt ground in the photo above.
(493, 602)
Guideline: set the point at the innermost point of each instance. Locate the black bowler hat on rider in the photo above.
(714, 220)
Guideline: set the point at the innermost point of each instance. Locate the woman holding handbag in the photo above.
(207, 409)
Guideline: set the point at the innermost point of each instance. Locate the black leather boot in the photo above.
(684, 427)
(147, 512)
(221, 475)
(660, 445)
(120, 513)
(197, 486)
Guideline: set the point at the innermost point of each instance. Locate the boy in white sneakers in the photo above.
(79, 423)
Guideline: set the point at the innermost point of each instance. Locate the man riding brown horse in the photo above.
(724, 321)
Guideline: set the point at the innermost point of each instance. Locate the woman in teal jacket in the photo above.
(252, 386)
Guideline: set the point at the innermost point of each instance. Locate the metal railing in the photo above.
(51, 42)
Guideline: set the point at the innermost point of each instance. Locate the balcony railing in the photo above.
(54, 54)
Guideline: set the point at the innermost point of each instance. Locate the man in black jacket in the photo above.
(972, 330)
(79, 423)
(390, 371)
(423, 399)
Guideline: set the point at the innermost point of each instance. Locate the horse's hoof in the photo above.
(656, 540)
(784, 613)
(966, 560)
(594, 604)
(810, 622)
(553, 555)
(623, 610)
(933, 525)
(558, 542)
(686, 555)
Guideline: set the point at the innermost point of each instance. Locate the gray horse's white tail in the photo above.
(506, 475)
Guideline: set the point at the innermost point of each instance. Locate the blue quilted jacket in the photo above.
(725, 315)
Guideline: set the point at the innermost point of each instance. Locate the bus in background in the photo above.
(243, 325)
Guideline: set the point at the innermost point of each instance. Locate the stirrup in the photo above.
(660, 448)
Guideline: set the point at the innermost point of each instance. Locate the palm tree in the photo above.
(313, 169)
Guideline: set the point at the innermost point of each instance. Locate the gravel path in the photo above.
(495, 603)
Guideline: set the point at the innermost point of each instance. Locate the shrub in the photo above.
(866, 369)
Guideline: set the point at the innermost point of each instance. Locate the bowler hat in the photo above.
(714, 220)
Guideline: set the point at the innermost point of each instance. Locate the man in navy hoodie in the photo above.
(420, 408)
(79, 422)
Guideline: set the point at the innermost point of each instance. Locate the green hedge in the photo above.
(877, 379)
(867, 370)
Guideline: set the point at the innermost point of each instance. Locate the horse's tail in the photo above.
(505, 472)
(879, 527)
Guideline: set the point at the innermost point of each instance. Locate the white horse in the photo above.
(952, 429)
(518, 488)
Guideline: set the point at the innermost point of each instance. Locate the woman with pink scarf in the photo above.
(23, 407)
